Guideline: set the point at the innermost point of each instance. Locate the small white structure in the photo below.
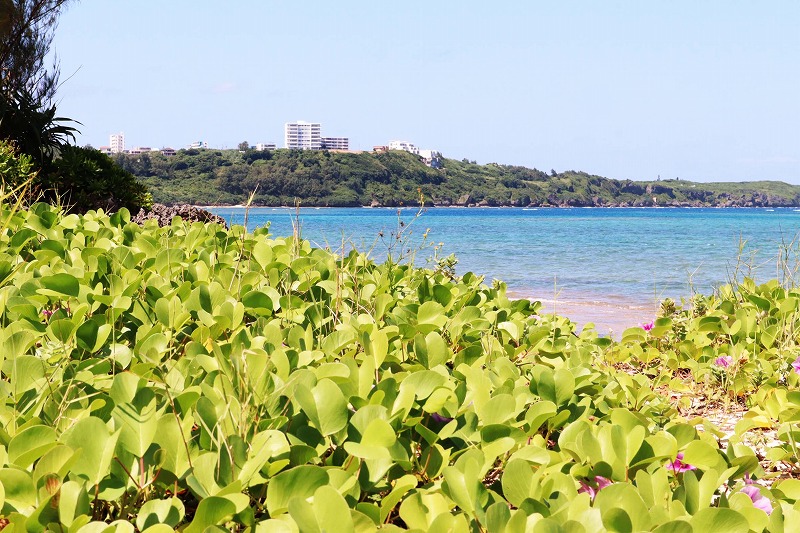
(403, 145)
(140, 150)
(197, 145)
(265, 146)
(432, 158)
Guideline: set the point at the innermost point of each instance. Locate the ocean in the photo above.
(608, 266)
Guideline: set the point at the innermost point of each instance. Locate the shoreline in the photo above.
(521, 208)
(611, 315)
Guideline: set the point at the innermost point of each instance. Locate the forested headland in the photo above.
(336, 179)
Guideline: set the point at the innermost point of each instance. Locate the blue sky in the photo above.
(701, 90)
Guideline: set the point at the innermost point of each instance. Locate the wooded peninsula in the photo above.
(394, 178)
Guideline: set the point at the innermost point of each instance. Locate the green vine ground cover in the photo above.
(197, 378)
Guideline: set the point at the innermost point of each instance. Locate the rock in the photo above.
(189, 213)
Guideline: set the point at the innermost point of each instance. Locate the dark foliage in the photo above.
(26, 33)
(84, 179)
(33, 127)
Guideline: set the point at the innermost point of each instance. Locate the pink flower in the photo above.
(588, 489)
(601, 483)
(436, 417)
(723, 361)
(678, 465)
(796, 365)
(648, 326)
(759, 500)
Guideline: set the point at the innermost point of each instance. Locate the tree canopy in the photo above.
(26, 35)
(322, 178)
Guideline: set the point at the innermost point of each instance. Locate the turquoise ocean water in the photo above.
(583, 258)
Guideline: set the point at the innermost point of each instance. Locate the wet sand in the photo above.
(610, 316)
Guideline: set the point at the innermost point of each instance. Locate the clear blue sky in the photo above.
(701, 90)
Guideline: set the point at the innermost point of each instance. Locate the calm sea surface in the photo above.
(626, 259)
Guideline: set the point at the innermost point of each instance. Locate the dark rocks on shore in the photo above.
(464, 199)
(164, 214)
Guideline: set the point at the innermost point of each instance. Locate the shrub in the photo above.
(15, 168)
(84, 179)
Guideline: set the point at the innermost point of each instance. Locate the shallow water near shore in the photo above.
(609, 318)
(610, 266)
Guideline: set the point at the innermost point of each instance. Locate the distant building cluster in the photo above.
(298, 135)
(117, 146)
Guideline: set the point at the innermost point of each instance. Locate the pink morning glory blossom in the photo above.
(723, 361)
(648, 326)
(796, 365)
(678, 465)
(600, 481)
(759, 500)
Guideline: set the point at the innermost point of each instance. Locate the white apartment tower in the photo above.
(117, 143)
(303, 135)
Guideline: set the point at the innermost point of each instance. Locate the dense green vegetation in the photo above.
(321, 178)
(196, 377)
(199, 378)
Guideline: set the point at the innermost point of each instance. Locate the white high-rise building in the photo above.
(303, 135)
(117, 143)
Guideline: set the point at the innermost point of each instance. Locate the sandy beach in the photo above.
(610, 316)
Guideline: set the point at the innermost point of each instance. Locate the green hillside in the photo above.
(322, 178)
